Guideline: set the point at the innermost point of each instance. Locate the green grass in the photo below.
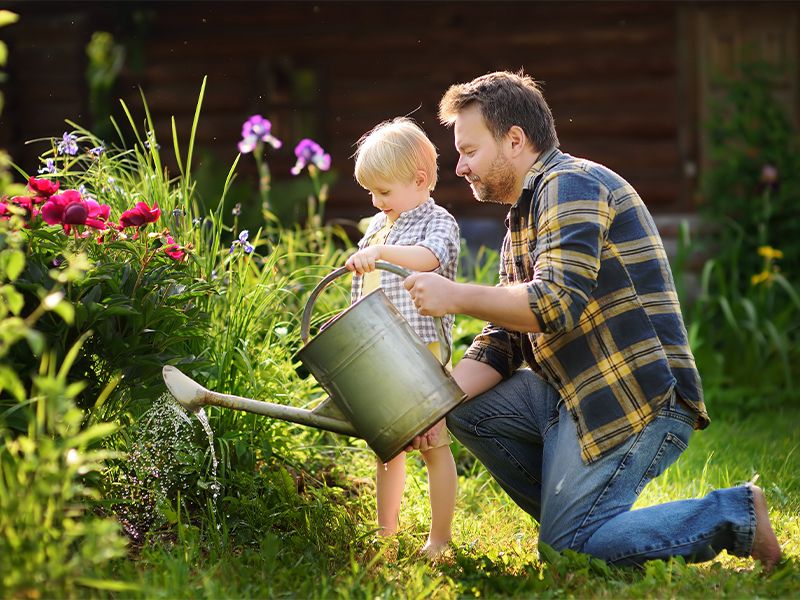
(292, 532)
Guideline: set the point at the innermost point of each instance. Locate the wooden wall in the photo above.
(616, 75)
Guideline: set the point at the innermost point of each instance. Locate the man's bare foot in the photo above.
(765, 545)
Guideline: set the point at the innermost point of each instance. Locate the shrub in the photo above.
(49, 541)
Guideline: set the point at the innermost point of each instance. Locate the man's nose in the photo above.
(461, 167)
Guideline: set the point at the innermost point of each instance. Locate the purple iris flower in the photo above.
(257, 129)
(310, 152)
(97, 151)
(49, 167)
(68, 144)
(242, 241)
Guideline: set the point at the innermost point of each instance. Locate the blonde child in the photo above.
(396, 164)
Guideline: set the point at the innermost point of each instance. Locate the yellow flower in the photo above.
(769, 252)
(761, 277)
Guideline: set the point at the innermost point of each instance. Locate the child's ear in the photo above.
(421, 179)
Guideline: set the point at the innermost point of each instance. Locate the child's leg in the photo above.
(443, 485)
(390, 479)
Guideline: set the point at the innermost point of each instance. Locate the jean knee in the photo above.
(456, 423)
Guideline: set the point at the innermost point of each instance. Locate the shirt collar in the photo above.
(542, 163)
(416, 212)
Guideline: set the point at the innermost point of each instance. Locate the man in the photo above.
(587, 300)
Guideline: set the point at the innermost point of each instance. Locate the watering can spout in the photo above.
(193, 396)
(385, 385)
(189, 394)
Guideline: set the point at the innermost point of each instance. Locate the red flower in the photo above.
(5, 214)
(172, 249)
(139, 215)
(69, 209)
(43, 187)
(27, 203)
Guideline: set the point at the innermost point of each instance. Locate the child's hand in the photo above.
(363, 261)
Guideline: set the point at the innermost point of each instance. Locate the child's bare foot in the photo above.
(433, 549)
(765, 544)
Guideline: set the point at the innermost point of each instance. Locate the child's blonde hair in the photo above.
(394, 151)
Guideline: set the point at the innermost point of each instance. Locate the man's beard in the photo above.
(499, 184)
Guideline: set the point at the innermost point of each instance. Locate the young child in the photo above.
(396, 164)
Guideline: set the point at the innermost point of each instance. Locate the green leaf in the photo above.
(13, 298)
(13, 263)
(66, 311)
(111, 585)
(95, 432)
(9, 381)
(548, 553)
(3, 54)
(35, 341)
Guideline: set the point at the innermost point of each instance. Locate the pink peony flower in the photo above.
(173, 250)
(70, 209)
(43, 187)
(139, 215)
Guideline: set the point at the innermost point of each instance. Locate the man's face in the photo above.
(481, 159)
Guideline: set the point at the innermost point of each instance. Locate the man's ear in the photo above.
(517, 140)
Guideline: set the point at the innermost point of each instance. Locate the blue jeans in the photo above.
(527, 440)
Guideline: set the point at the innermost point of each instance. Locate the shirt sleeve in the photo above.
(571, 218)
(358, 280)
(443, 238)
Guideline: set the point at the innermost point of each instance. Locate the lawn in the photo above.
(313, 535)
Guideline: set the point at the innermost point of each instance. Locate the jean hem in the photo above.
(638, 553)
(747, 534)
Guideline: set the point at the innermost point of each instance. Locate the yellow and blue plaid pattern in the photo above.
(613, 341)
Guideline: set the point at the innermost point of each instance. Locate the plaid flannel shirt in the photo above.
(613, 341)
(432, 227)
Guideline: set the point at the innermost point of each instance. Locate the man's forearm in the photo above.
(475, 377)
(506, 306)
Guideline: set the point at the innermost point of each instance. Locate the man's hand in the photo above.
(432, 294)
(426, 440)
(363, 261)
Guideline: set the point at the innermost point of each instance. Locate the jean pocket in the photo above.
(672, 446)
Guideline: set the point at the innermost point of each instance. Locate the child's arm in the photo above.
(416, 258)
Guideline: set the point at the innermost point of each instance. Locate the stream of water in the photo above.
(215, 485)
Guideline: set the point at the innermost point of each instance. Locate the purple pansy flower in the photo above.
(310, 152)
(257, 129)
(68, 144)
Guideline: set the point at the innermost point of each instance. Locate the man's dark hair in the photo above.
(505, 99)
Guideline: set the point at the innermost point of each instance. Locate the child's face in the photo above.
(394, 198)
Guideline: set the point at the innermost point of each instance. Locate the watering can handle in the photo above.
(305, 324)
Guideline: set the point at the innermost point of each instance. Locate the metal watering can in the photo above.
(385, 385)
